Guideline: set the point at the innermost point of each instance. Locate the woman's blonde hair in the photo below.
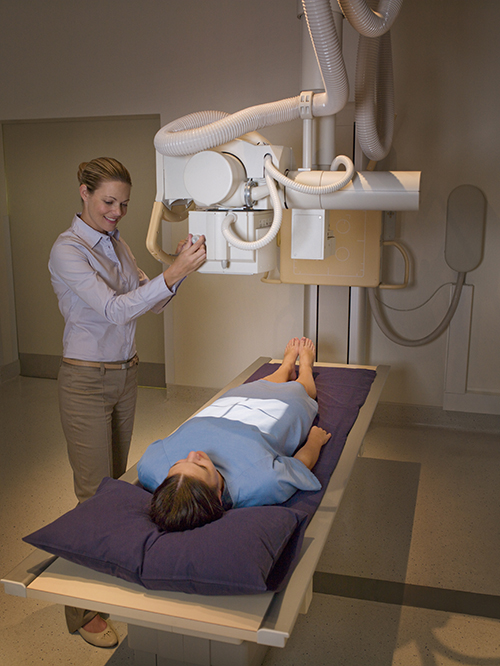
(102, 169)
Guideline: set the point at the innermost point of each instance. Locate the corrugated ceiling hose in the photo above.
(374, 96)
(374, 86)
(208, 129)
(323, 32)
(368, 22)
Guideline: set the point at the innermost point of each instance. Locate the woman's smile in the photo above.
(105, 207)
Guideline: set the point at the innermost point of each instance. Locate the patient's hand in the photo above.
(319, 436)
(309, 453)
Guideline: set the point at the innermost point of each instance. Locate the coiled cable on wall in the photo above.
(439, 330)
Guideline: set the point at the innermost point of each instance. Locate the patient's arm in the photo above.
(309, 453)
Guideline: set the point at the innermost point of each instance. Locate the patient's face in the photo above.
(198, 465)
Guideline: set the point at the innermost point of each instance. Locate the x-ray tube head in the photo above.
(211, 178)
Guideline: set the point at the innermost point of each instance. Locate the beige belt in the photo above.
(107, 366)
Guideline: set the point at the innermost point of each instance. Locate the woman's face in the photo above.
(198, 465)
(105, 207)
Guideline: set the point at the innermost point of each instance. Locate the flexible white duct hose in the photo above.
(374, 87)
(272, 172)
(202, 118)
(194, 120)
(233, 240)
(314, 189)
(175, 140)
(207, 129)
(368, 22)
(374, 96)
(324, 37)
(405, 342)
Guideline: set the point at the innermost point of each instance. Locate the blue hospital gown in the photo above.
(250, 434)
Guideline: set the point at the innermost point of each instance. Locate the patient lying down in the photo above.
(250, 439)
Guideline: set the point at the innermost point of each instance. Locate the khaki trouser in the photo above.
(97, 407)
(77, 617)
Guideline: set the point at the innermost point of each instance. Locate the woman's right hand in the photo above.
(190, 258)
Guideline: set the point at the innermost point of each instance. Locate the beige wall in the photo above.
(223, 323)
(9, 364)
(123, 58)
(446, 67)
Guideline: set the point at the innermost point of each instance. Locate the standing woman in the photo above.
(101, 293)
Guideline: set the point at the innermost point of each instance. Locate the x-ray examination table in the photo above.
(173, 628)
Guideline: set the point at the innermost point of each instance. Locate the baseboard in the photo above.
(388, 413)
(46, 366)
(9, 371)
(198, 394)
(153, 375)
(43, 366)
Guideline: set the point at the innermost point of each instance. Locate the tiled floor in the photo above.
(409, 576)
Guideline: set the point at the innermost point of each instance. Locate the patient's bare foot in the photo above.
(290, 357)
(307, 352)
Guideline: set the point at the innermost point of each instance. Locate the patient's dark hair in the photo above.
(182, 502)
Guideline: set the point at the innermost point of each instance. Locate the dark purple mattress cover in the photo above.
(341, 394)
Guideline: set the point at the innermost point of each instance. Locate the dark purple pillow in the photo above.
(112, 533)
